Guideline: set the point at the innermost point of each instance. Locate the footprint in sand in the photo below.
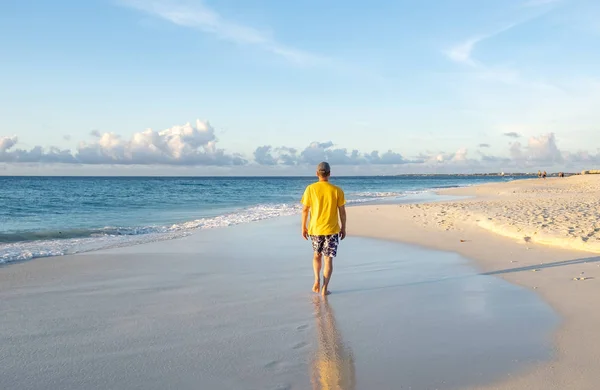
(274, 364)
(300, 345)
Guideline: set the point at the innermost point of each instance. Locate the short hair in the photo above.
(324, 168)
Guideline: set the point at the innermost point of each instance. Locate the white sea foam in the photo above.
(379, 194)
(111, 237)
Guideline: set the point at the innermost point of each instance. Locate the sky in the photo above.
(270, 87)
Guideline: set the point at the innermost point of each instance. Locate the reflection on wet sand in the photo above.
(333, 364)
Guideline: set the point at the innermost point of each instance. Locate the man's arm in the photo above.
(305, 210)
(342, 210)
(306, 202)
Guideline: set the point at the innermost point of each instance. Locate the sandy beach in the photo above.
(232, 309)
(539, 234)
(425, 296)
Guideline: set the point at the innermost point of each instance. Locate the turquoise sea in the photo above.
(50, 216)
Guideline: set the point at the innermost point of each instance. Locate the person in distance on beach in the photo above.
(323, 201)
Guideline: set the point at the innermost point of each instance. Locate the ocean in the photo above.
(53, 216)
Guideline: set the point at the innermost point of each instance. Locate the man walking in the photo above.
(323, 201)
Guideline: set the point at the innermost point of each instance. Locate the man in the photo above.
(323, 201)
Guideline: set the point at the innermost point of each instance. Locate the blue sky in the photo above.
(430, 86)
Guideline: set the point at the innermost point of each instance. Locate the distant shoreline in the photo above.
(495, 174)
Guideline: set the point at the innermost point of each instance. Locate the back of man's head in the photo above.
(323, 169)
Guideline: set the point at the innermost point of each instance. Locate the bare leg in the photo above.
(317, 268)
(327, 271)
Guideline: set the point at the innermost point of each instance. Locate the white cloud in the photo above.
(263, 156)
(460, 155)
(268, 155)
(7, 143)
(543, 149)
(462, 52)
(539, 151)
(195, 146)
(441, 158)
(179, 145)
(287, 156)
(516, 151)
(387, 158)
(503, 72)
(582, 159)
(316, 152)
(9, 154)
(195, 14)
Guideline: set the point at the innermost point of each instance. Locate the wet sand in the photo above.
(539, 234)
(232, 309)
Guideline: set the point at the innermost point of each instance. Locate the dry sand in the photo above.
(546, 234)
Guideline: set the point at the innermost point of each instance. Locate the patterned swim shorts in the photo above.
(326, 245)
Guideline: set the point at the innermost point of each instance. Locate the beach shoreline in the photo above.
(556, 266)
(159, 301)
(216, 310)
(153, 209)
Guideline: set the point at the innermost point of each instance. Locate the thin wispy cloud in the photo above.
(462, 52)
(196, 15)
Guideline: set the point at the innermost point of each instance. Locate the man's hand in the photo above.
(305, 211)
(342, 210)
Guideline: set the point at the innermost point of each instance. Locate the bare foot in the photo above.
(316, 287)
(325, 291)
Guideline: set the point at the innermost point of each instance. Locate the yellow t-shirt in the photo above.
(323, 198)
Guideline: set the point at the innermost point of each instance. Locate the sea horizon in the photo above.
(46, 216)
(293, 176)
